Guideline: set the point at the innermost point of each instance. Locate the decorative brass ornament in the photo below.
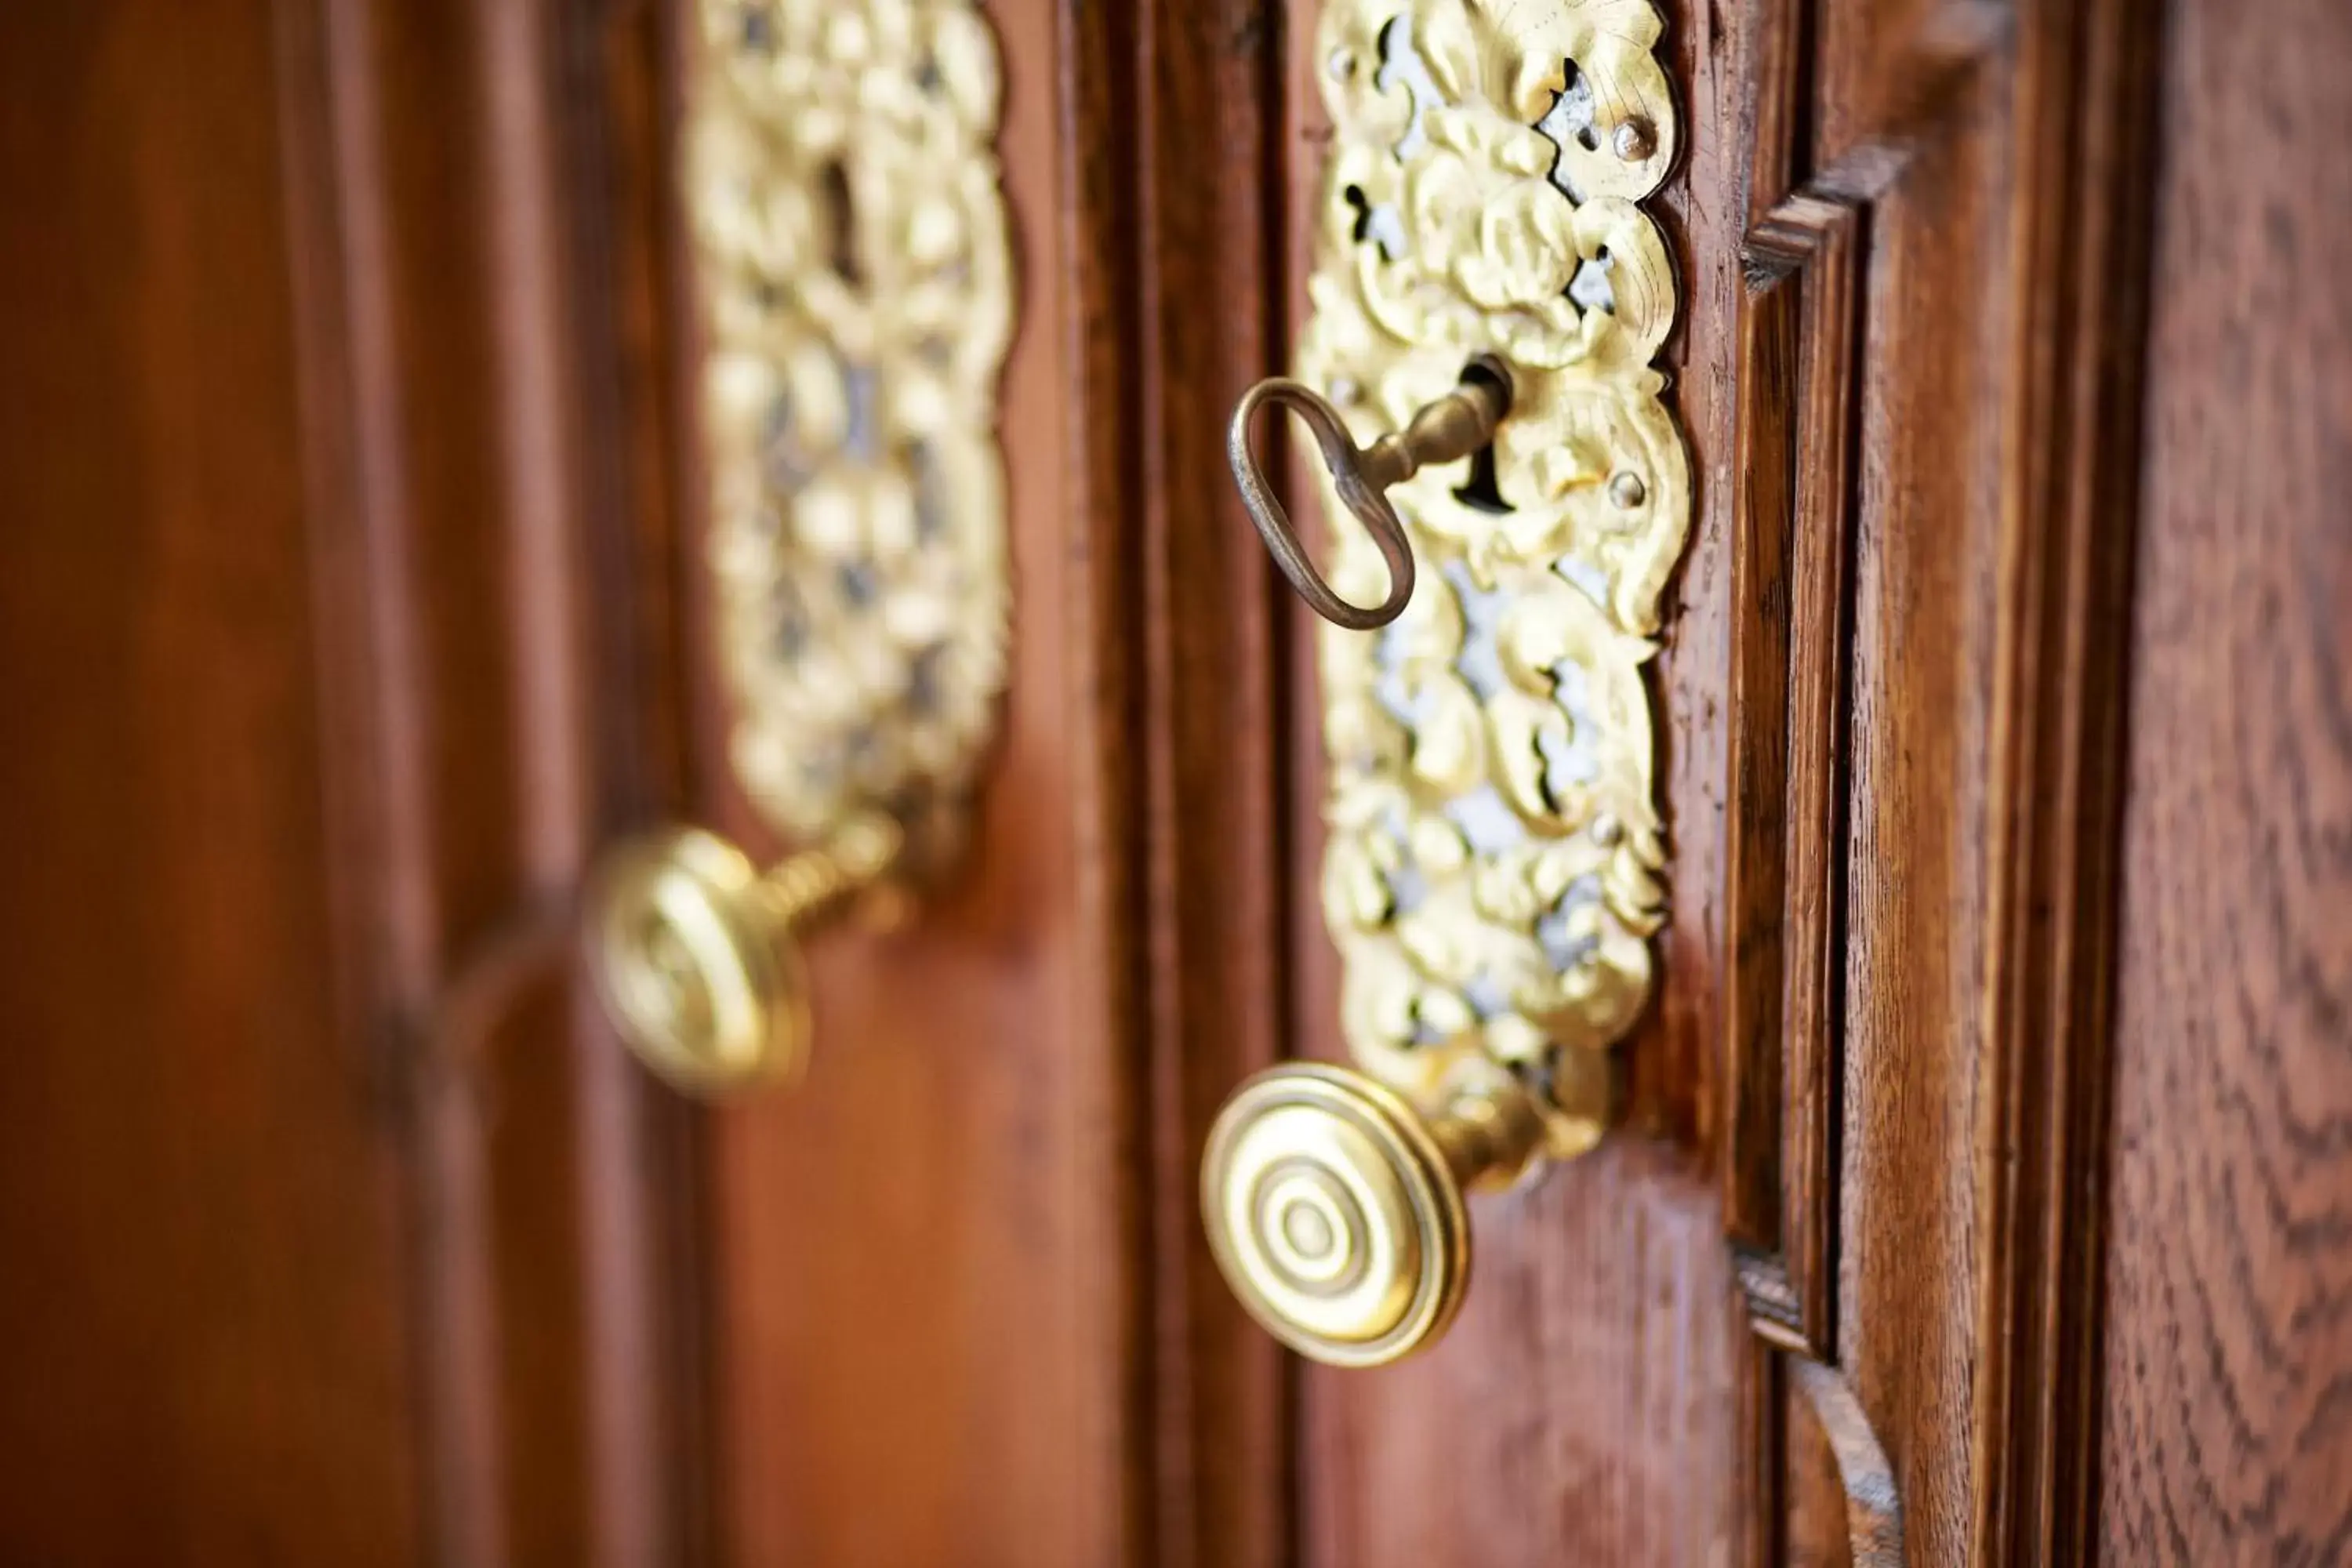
(1491, 876)
(856, 286)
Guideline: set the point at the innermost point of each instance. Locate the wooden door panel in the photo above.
(1927, 525)
(1891, 763)
(2225, 1432)
(464, 309)
(1583, 1405)
(199, 1206)
(1580, 1405)
(351, 598)
(339, 1204)
(1925, 539)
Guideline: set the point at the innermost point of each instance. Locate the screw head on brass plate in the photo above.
(1335, 1214)
(695, 968)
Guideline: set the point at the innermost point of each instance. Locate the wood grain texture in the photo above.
(2086, 92)
(1757, 714)
(1789, 724)
(1674, 1059)
(1834, 1151)
(1927, 519)
(208, 1356)
(2227, 1432)
(1576, 1410)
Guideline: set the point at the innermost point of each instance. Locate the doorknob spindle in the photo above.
(695, 951)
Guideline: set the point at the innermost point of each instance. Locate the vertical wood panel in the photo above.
(2086, 90)
(434, 170)
(654, 1479)
(1208, 609)
(1973, 182)
(319, 666)
(1927, 514)
(2228, 1427)
(205, 1316)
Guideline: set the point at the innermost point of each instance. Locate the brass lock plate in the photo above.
(1491, 872)
(856, 285)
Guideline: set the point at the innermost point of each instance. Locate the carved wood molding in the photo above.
(1797, 346)
(1872, 1506)
(2089, 74)
(2080, 80)
(1798, 342)
(1800, 347)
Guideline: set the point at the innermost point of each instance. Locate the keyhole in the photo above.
(840, 223)
(1483, 491)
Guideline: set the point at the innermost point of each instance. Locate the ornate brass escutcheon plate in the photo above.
(1491, 876)
(856, 291)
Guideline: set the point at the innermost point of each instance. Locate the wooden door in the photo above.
(1979, 1193)
(336, 1230)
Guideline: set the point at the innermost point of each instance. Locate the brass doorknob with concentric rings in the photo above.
(1336, 1210)
(696, 950)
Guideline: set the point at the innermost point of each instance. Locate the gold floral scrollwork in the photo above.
(856, 292)
(1493, 871)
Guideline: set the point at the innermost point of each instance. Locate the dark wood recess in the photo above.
(1208, 282)
(1789, 715)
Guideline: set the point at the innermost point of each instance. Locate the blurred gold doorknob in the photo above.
(1336, 1210)
(695, 951)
